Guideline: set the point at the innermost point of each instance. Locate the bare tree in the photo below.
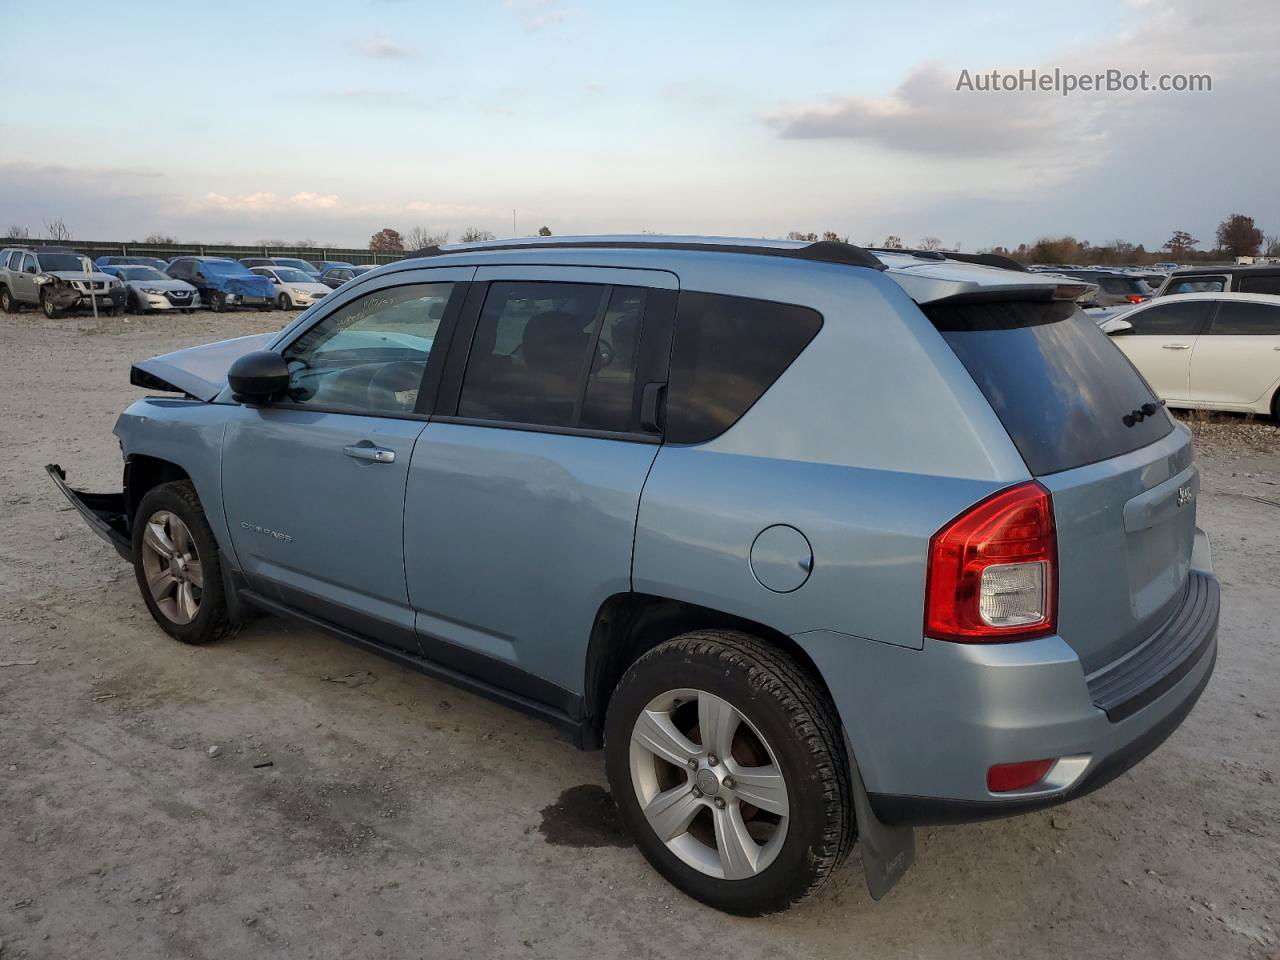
(160, 238)
(17, 232)
(305, 244)
(892, 242)
(832, 237)
(930, 243)
(1272, 248)
(419, 238)
(800, 235)
(57, 229)
(475, 235)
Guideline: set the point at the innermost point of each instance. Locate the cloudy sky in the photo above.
(251, 121)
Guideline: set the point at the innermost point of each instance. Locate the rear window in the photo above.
(1122, 285)
(726, 353)
(1057, 383)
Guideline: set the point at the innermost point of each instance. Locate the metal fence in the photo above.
(99, 248)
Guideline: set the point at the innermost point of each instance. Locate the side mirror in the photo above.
(1116, 327)
(258, 377)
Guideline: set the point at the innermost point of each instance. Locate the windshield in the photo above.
(140, 273)
(1064, 392)
(360, 270)
(290, 275)
(226, 268)
(61, 261)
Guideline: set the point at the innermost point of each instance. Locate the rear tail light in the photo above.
(1004, 777)
(1136, 298)
(992, 573)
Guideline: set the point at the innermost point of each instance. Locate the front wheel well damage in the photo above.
(629, 624)
(142, 474)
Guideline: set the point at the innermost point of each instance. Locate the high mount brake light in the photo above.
(992, 571)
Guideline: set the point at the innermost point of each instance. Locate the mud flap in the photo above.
(887, 852)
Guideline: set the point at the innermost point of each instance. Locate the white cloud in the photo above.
(535, 15)
(384, 48)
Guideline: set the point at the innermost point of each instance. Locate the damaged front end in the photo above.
(104, 512)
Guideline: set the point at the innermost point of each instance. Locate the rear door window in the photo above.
(1184, 319)
(555, 355)
(1057, 383)
(1267, 283)
(726, 353)
(1196, 285)
(1246, 319)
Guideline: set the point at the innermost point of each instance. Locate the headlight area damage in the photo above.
(66, 293)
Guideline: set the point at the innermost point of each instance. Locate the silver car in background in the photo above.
(294, 288)
(147, 289)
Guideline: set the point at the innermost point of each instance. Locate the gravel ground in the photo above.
(402, 818)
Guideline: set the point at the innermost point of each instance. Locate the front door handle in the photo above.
(1176, 346)
(367, 451)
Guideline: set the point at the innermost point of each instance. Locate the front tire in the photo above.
(46, 304)
(178, 567)
(727, 763)
(283, 302)
(217, 303)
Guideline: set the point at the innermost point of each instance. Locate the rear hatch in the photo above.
(1094, 434)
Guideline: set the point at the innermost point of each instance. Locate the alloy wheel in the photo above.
(171, 565)
(708, 784)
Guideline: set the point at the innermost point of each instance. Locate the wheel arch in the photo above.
(143, 473)
(629, 624)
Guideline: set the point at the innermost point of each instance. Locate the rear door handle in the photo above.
(1176, 346)
(367, 451)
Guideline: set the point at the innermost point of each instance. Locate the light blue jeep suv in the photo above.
(819, 545)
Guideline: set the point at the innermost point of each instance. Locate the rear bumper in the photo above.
(927, 724)
(103, 512)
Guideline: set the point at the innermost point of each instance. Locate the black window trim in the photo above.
(653, 354)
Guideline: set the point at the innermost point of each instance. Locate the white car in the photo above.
(147, 289)
(294, 288)
(1216, 351)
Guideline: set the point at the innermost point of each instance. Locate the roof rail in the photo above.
(822, 251)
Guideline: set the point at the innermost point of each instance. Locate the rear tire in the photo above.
(784, 748)
(7, 303)
(178, 567)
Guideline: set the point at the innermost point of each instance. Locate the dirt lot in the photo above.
(402, 818)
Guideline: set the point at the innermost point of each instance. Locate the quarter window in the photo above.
(727, 352)
(369, 355)
(1170, 319)
(1246, 319)
(555, 354)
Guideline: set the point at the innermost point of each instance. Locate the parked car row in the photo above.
(59, 280)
